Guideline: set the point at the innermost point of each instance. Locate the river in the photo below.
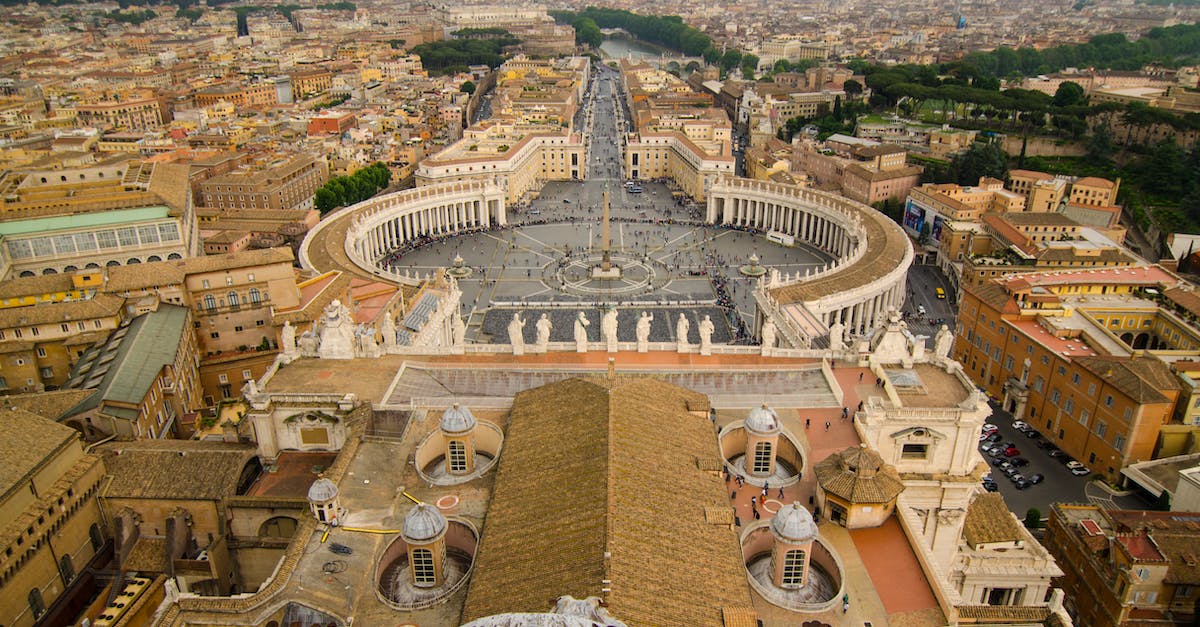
(622, 48)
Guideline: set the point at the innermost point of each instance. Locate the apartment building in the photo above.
(132, 112)
(53, 529)
(1125, 568)
(286, 183)
(1081, 355)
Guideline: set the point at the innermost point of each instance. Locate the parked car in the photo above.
(1021, 483)
(995, 437)
(1020, 425)
(1054, 452)
(1019, 461)
(1077, 468)
(1011, 472)
(991, 487)
(995, 451)
(999, 462)
(1036, 478)
(1012, 451)
(1033, 434)
(990, 428)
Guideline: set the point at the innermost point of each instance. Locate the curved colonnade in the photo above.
(867, 277)
(382, 224)
(872, 256)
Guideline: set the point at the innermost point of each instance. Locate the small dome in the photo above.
(763, 420)
(423, 522)
(322, 490)
(457, 419)
(794, 524)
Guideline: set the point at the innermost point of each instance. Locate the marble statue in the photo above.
(836, 331)
(581, 338)
(942, 342)
(706, 330)
(287, 338)
(768, 335)
(308, 344)
(516, 334)
(388, 329)
(543, 332)
(608, 329)
(365, 344)
(643, 332)
(458, 330)
(337, 332)
(681, 333)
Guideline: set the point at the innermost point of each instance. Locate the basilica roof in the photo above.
(603, 485)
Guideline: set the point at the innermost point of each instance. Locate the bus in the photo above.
(783, 239)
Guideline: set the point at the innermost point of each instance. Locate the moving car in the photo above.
(941, 293)
(1019, 461)
(1020, 425)
(1032, 434)
(1036, 478)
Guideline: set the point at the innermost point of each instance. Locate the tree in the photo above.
(468, 87)
(730, 60)
(1069, 93)
(325, 200)
(981, 160)
(853, 88)
(1033, 518)
(587, 33)
(837, 108)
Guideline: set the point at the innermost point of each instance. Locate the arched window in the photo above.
(793, 568)
(762, 458)
(423, 574)
(132, 260)
(66, 568)
(255, 296)
(233, 299)
(210, 303)
(96, 536)
(458, 456)
(37, 605)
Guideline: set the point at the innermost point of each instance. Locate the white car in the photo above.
(989, 428)
(1020, 425)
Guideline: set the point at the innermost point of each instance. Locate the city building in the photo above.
(1126, 567)
(287, 183)
(55, 538)
(1083, 356)
(145, 375)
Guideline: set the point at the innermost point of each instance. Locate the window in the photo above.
(1054, 396)
(1062, 372)
(1075, 378)
(1069, 405)
(1091, 389)
(422, 562)
(1008, 363)
(914, 451)
(37, 605)
(458, 456)
(35, 331)
(1128, 413)
(1101, 428)
(204, 283)
(1119, 443)
(1108, 401)
(210, 303)
(793, 569)
(255, 296)
(214, 335)
(233, 299)
(223, 378)
(246, 376)
(250, 277)
(762, 458)
(41, 352)
(1083, 417)
(228, 280)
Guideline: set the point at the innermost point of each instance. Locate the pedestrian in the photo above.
(733, 496)
(827, 425)
(860, 376)
(756, 515)
(753, 500)
(807, 422)
(781, 494)
(764, 496)
(737, 522)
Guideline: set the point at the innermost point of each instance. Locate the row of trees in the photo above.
(454, 55)
(340, 191)
(1172, 46)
